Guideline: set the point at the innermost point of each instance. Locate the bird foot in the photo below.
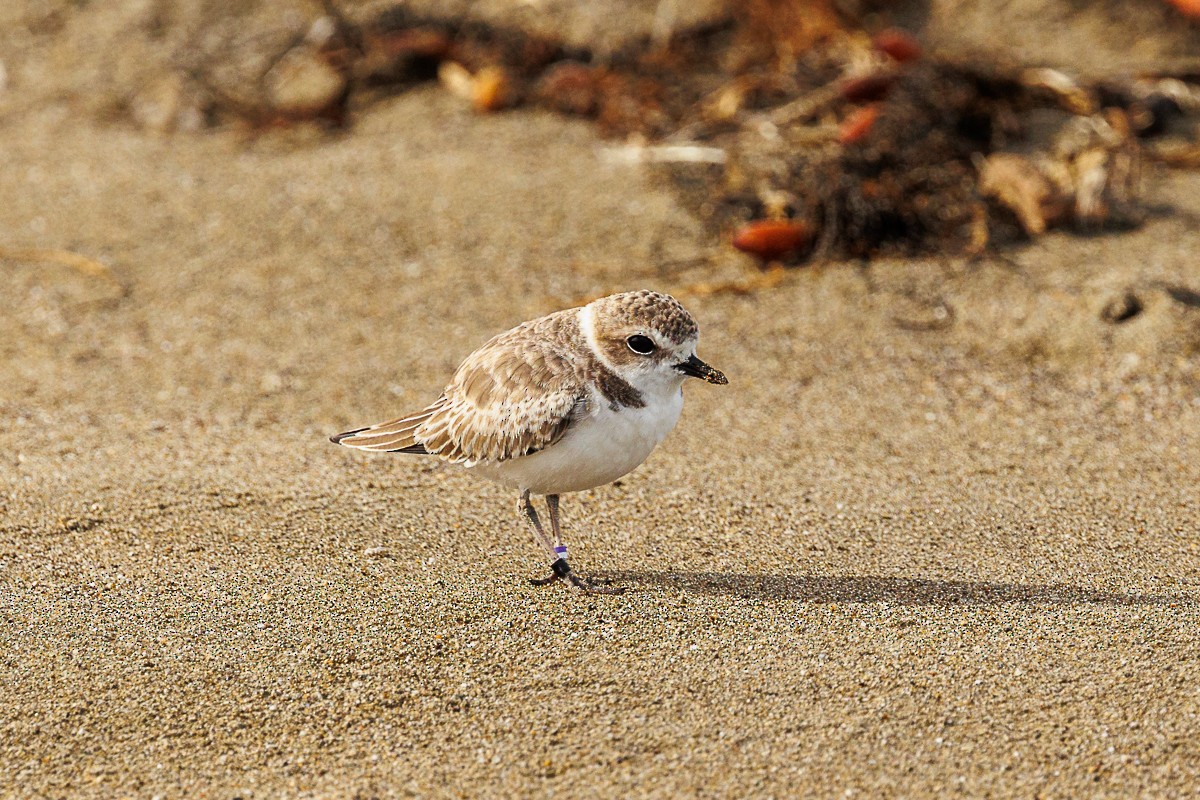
(561, 569)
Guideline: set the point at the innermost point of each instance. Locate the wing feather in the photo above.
(517, 394)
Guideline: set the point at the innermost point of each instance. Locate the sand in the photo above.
(938, 536)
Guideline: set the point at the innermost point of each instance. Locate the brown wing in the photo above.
(514, 396)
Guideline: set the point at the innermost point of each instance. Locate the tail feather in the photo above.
(395, 436)
(339, 438)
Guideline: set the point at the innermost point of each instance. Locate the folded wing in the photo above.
(517, 394)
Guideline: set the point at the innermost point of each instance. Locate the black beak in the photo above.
(696, 368)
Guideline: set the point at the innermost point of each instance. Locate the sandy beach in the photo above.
(891, 558)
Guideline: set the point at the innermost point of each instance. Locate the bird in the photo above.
(563, 403)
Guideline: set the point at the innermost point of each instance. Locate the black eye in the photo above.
(642, 345)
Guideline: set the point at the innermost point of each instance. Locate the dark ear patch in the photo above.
(618, 353)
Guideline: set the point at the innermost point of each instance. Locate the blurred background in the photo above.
(233, 204)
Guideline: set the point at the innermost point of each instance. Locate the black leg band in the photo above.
(561, 568)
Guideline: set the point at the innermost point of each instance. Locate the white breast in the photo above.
(598, 449)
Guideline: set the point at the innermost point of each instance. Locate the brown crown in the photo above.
(661, 312)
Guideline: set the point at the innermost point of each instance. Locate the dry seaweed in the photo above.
(864, 140)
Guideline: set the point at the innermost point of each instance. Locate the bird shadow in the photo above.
(876, 589)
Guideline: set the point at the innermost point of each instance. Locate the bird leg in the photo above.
(526, 506)
(560, 568)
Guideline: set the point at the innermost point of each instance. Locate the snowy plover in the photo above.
(564, 403)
